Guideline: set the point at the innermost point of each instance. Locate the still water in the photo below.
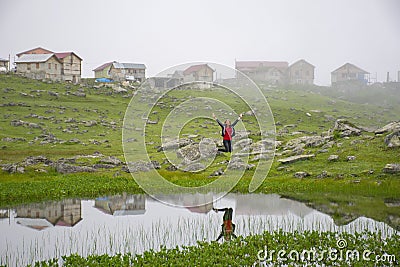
(136, 223)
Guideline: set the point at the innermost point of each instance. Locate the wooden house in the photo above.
(301, 72)
(201, 72)
(103, 71)
(349, 73)
(71, 63)
(127, 72)
(39, 66)
(270, 72)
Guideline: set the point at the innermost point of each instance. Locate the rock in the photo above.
(346, 128)
(151, 122)
(393, 139)
(333, 158)
(301, 175)
(141, 166)
(13, 139)
(218, 172)
(391, 127)
(237, 163)
(79, 94)
(13, 168)
(351, 158)
(34, 160)
(65, 168)
(111, 160)
(243, 143)
(323, 174)
(174, 144)
(103, 166)
(171, 168)
(90, 123)
(52, 93)
(392, 168)
(73, 141)
(190, 152)
(194, 167)
(296, 158)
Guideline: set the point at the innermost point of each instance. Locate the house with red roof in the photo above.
(201, 72)
(71, 63)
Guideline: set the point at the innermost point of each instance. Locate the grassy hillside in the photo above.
(82, 125)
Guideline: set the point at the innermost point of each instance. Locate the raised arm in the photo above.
(237, 120)
(219, 122)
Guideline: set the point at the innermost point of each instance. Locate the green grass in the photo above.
(250, 250)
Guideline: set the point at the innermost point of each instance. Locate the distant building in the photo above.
(270, 72)
(127, 72)
(201, 72)
(301, 72)
(71, 64)
(103, 71)
(4, 64)
(349, 73)
(39, 66)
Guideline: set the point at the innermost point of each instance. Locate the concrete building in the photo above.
(40, 66)
(349, 73)
(103, 71)
(127, 72)
(301, 72)
(4, 65)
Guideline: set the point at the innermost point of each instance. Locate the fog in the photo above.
(165, 33)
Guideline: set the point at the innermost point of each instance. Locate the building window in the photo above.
(49, 66)
(37, 65)
(28, 66)
(55, 66)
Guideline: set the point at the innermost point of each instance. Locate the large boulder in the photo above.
(296, 158)
(195, 151)
(237, 163)
(111, 160)
(176, 143)
(346, 128)
(392, 168)
(65, 168)
(391, 127)
(393, 139)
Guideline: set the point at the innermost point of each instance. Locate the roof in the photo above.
(349, 65)
(30, 50)
(302, 61)
(3, 59)
(102, 67)
(118, 65)
(195, 68)
(244, 65)
(62, 55)
(34, 58)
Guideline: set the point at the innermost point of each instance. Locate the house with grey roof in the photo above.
(349, 73)
(40, 66)
(3, 64)
(127, 72)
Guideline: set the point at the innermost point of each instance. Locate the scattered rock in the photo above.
(237, 163)
(301, 175)
(296, 158)
(333, 158)
(218, 172)
(111, 160)
(34, 160)
(65, 168)
(243, 143)
(174, 144)
(103, 166)
(346, 128)
(323, 174)
(141, 166)
(171, 168)
(13, 168)
(351, 158)
(392, 168)
(393, 139)
(391, 127)
(13, 139)
(194, 167)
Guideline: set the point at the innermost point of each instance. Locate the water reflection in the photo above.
(137, 223)
(43, 215)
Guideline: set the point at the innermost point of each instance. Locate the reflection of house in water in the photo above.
(198, 203)
(259, 204)
(42, 215)
(122, 205)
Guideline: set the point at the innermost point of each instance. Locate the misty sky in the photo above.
(163, 33)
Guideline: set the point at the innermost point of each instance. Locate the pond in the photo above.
(136, 223)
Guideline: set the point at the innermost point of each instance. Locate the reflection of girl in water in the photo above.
(228, 228)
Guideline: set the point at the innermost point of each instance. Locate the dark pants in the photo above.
(228, 214)
(228, 145)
